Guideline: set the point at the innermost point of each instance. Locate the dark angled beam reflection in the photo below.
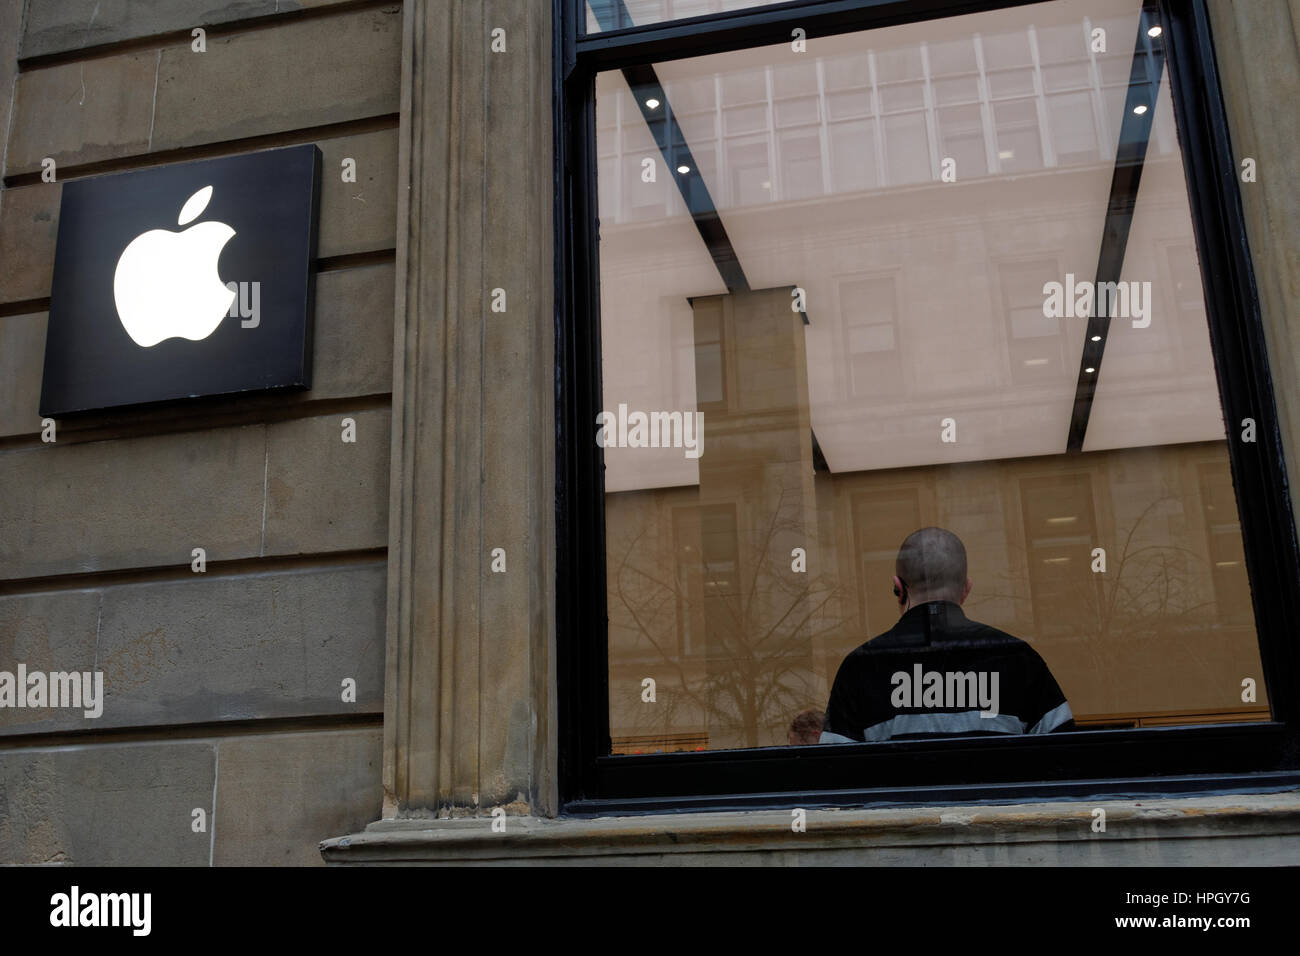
(668, 136)
(1130, 157)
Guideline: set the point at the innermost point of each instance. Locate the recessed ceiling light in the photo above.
(1006, 153)
(683, 169)
(1140, 109)
(1096, 338)
(1055, 560)
(1155, 31)
(652, 103)
(767, 185)
(1064, 519)
(1090, 370)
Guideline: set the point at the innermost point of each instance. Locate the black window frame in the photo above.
(1218, 758)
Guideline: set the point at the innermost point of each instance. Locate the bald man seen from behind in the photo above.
(936, 673)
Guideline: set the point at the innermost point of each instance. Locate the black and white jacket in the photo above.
(937, 673)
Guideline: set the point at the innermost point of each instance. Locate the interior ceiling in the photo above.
(947, 249)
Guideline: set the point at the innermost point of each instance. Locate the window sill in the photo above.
(1226, 830)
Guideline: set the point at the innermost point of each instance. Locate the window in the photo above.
(869, 315)
(1036, 344)
(1223, 534)
(800, 353)
(1060, 533)
(880, 518)
(710, 359)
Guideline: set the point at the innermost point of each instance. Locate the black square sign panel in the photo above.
(183, 281)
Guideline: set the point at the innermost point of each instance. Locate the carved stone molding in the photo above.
(468, 649)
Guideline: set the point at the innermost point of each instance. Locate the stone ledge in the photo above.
(1256, 829)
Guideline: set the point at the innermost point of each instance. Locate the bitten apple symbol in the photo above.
(166, 284)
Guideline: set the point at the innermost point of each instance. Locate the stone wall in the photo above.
(223, 690)
(1257, 48)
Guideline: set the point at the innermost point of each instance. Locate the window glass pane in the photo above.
(853, 147)
(748, 171)
(1010, 82)
(621, 14)
(850, 103)
(964, 89)
(1074, 135)
(801, 165)
(907, 148)
(797, 80)
(898, 63)
(901, 96)
(1019, 146)
(764, 465)
(747, 87)
(953, 57)
(869, 313)
(709, 386)
(1066, 76)
(961, 137)
(1009, 48)
(745, 119)
(797, 111)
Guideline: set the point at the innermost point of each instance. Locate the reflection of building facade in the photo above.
(1150, 639)
(925, 304)
(1029, 98)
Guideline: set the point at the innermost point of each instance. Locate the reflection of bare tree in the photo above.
(760, 619)
(1148, 591)
(1152, 587)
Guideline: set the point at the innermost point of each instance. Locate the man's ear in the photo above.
(965, 592)
(900, 591)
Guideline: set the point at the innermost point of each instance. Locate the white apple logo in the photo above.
(166, 284)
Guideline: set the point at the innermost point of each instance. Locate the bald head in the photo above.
(932, 563)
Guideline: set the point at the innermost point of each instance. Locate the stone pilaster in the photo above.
(1257, 49)
(466, 721)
